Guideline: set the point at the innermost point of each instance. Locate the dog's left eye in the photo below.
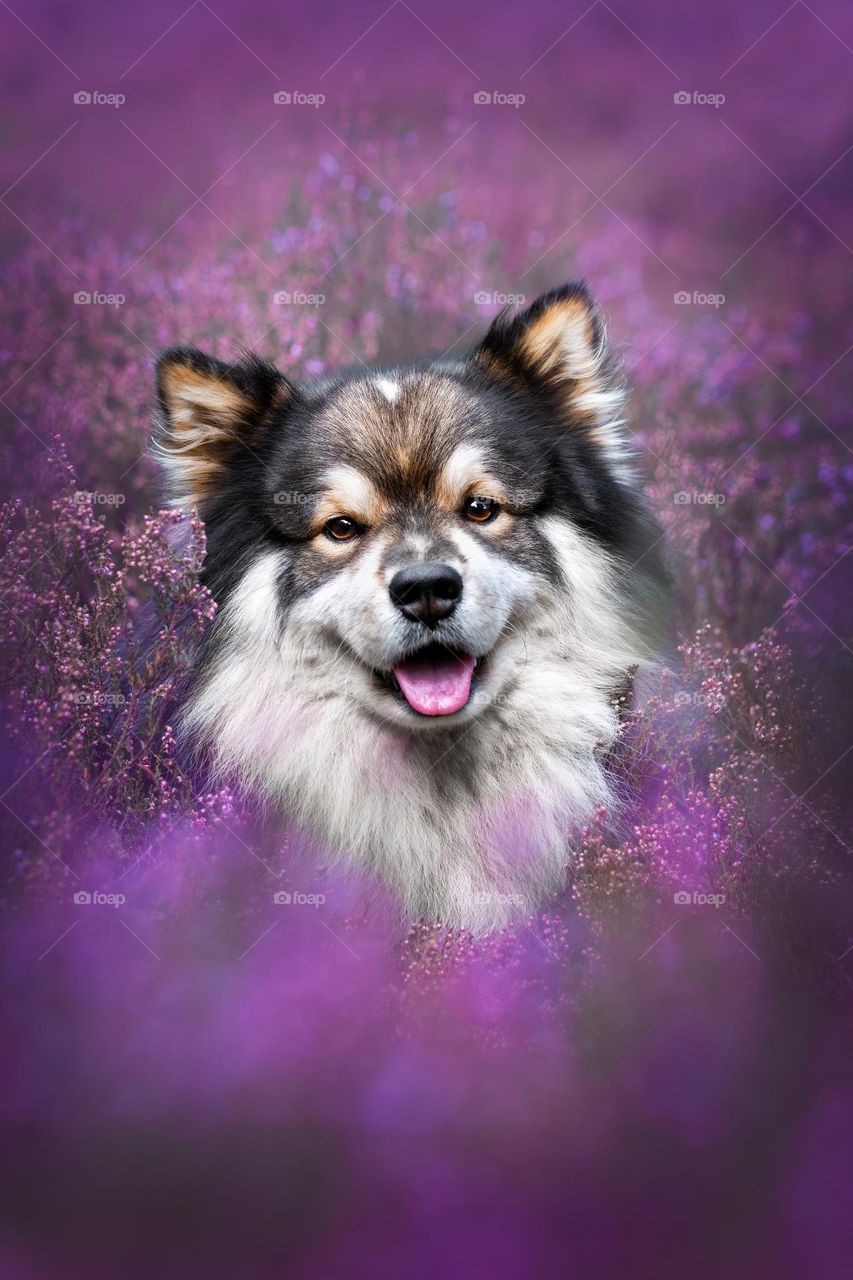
(480, 510)
(341, 529)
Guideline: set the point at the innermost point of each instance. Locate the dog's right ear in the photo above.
(209, 412)
(558, 345)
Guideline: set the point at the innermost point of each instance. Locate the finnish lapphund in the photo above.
(432, 581)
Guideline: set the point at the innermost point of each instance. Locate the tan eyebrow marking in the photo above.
(465, 474)
(348, 492)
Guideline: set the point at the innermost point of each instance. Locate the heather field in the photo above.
(216, 1061)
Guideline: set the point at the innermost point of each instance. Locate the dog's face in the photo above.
(414, 508)
(413, 549)
(431, 580)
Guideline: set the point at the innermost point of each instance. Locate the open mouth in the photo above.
(435, 681)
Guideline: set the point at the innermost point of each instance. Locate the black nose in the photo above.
(426, 592)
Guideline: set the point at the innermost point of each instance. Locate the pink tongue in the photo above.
(437, 684)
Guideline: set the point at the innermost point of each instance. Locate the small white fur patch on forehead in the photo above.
(389, 388)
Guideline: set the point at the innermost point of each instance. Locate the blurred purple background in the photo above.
(201, 1085)
(598, 86)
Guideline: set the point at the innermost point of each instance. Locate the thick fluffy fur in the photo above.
(467, 816)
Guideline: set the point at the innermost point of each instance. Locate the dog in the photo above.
(432, 582)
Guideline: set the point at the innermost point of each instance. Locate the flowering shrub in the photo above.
(175, 974)
(105, 610)
(98, 633)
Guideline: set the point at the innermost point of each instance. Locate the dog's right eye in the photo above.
(480, 510)
(341, 529)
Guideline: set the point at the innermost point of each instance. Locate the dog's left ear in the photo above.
(211, 414)
(559, 345)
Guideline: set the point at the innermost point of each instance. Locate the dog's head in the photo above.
(418, 532)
